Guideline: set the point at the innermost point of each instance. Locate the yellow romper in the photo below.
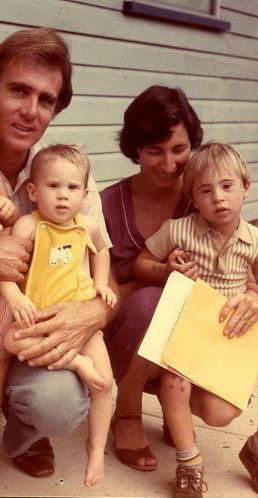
(56, 274)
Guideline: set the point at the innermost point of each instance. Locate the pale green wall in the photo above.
(116, 57)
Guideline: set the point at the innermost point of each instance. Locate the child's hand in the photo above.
(24, 311)
(107, 295)
(179, 260)
(7, 208)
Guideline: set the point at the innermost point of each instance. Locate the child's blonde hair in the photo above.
(74, 153)
(212, 157)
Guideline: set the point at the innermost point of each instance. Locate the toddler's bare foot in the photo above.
(84, 367)
(94, 472)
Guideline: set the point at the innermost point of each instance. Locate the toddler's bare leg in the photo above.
(100, 411)
(84, 366)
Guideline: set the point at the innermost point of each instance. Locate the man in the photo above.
(35, 84)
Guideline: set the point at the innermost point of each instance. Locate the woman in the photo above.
(160, 130)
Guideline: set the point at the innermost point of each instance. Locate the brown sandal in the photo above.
(131, 457)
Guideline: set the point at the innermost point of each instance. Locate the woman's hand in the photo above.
(66, 328)
(241, 311)
(179, 260)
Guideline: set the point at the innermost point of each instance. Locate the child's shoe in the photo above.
(189, 483)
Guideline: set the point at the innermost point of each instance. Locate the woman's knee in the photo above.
(219, 414)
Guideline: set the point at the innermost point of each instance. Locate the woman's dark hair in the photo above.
(150, 117)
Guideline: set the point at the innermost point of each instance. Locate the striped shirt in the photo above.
(224, 267)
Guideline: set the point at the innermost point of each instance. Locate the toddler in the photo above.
(70, 262)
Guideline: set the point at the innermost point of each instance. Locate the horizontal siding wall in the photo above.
(116, 57)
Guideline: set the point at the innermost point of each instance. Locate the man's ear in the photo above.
(32, 192)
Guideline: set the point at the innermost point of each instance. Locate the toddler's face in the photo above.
(59, 190)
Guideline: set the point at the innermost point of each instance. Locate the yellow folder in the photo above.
(192, 341)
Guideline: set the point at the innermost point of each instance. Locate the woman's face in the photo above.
(163, 163)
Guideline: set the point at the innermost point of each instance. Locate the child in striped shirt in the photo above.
(221, 247)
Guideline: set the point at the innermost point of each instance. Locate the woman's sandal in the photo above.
(131, 457)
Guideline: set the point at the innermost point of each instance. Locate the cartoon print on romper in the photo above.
(60, 253)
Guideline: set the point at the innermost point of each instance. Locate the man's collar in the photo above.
(202, 227)
(25, 172)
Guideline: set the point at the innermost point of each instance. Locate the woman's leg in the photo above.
(132, 372)
(130, 433)
(212, 409)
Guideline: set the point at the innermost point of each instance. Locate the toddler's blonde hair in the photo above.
(212, 157)
(75, 153)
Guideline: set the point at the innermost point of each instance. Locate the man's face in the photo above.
(28, 96)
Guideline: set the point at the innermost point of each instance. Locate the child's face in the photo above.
(219, 198)
(58, 191)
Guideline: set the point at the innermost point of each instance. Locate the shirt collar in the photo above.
(25, 172)
(202, 227)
